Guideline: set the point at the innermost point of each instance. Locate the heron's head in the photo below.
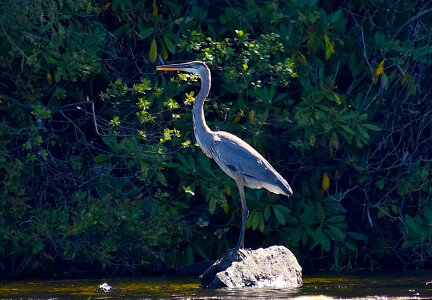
(195, 67)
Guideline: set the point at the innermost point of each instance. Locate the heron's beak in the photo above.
(172, 67)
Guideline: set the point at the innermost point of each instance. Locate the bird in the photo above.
(235, 157)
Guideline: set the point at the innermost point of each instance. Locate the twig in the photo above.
(415, 17)
(15, 102)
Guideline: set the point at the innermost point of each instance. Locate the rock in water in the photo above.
(104, 287)
(275, 266)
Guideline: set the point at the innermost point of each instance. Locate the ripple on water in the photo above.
(398, 285)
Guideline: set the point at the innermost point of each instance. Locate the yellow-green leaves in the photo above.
(380, 74)
(329, 47)
(144, 116)
(256, 220)
(190, 98)
(239, 115)
(164, 51)
(240, 33)
(153, 51)
(325, 183)
(252, 119)
(162, 43)
(168, 134)
(333, 143)
(337, 99)
(379, 70)
(115, 121)
(301, 57)
(41, 112)
(155, 8)
(162, 40)
(171, 104)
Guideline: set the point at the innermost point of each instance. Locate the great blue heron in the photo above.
(234, 156)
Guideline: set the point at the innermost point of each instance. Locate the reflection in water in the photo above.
(401, 285)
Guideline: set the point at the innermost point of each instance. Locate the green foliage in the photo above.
(99, 169)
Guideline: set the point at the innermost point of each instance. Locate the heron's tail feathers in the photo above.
(287, 191)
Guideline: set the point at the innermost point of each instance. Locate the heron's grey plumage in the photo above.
(235, 157)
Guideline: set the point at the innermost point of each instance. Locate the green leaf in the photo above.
(184, 161)
(50, 59)
(335, 140)
(161, 179)
(348, 130)
(309, 216)
(380, 39)
(255, 219)
(279, 215)
(37, 247)
(428, 215)
(336, 233)
(261, 225)
(334, 17)
(180, 204)
(371, 127)
(114, 4)
(212, 205)
(102, 157)
(329, 47)
(384, 80)
(295, 235)
(336, 219)
(337, 99)
(363, 133)
(267, 212)
(153, 51)
(249, 219)
(76, 162)
(283, 209)
(192, 164)
(320, 238)
(163, 50)
(357, 236)
(380, 184)
(170, 45)
(122, 4)
(145, 33)
(412, 225)
(350, 245)
(205, 163)
(353, 66)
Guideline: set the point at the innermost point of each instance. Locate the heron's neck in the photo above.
(201, 130)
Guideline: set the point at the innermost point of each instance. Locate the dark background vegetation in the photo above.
(99, 170)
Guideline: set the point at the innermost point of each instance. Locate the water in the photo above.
(398, 285)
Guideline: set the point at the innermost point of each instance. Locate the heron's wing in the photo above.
(236, 157)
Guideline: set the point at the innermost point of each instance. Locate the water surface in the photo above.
(397, 285)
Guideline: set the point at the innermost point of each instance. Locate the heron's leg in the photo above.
(245, 213)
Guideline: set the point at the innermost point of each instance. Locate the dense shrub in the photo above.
(100, 171)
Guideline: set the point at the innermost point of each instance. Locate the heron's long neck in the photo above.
(201, 130)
